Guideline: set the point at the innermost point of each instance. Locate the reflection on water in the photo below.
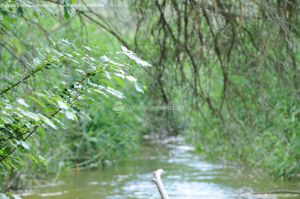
(187, 176)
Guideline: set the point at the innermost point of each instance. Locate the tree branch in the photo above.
(159, 184)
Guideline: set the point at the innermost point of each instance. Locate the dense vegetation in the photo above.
(58, 88)
(234, 65)
(229, 70)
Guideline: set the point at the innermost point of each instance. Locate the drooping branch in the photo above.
(98, 19)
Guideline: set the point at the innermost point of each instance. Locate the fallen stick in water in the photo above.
(159, 183)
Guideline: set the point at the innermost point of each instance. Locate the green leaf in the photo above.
(131, 78)
(67, 8)
(133, 56)
(62, 105)
(115, 92)
(20, 11)
(70, 115)
(120, 81)
(138, 87)
(22, 102)
(37, 101)
(24, 145)
(47, 121)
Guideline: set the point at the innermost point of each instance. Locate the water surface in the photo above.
(187, 176)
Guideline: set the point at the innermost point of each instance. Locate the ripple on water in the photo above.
(187, 176)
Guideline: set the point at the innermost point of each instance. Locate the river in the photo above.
(187, 176)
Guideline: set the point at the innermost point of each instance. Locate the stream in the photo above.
(187, 176)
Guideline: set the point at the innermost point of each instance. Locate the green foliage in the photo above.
(57, 92)
(108, 135)
(234, 66)
(230, 69)
(19, 123)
